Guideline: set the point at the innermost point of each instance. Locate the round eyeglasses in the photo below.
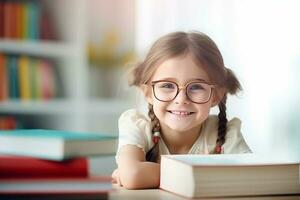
(196, 91)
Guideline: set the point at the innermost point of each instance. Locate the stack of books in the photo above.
(229, 175)
(37, 162)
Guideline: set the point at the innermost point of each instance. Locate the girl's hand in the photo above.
(116, 177)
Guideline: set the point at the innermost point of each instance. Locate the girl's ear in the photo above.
(146, 89)
(218, 96)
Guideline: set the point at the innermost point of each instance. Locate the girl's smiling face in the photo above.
(181, 114)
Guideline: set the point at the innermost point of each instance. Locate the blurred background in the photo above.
(62, 63)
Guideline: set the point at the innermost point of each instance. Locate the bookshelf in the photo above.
(76, 107)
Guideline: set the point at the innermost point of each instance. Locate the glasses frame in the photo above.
(183, 87)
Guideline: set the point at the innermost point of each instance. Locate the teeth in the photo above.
(180, 112)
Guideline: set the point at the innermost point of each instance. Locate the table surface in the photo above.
(154, 194)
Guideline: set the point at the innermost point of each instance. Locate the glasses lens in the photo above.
(199, 92)
(165, 91)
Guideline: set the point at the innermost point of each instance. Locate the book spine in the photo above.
(1, 19)
(25, 19)
(47, 74)
(13, 77)
(3, 78)
(33, 78)
(33, 20)
(8, 123)
(18, 8)
(24, 79)
(28, 167)
(7, 12)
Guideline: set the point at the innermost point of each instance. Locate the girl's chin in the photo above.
(178, 127)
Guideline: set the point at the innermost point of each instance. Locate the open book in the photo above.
(197, 176)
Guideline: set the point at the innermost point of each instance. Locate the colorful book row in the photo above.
(26, 78)
(25, 20)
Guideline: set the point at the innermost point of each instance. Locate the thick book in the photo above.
(225, 175)
(55, 144)
(66, 188)
(29, 167)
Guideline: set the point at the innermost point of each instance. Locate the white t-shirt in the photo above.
(135, 129)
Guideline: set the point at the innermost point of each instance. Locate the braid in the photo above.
(222, 125)
(153, 154)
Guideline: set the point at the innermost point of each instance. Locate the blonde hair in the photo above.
(204, 52)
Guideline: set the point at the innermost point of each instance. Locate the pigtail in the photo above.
(153, 154)
(222, 126)
(134, 75)
(232, 86)
(232, 83)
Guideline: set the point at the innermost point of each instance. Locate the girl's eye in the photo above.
(196, 86)
(167, 85)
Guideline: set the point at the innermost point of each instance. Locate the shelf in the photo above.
(80, 104)
(38, 107)
(37, 48)
(107, 106)
(65, 107)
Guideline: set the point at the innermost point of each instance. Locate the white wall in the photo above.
(260, 41)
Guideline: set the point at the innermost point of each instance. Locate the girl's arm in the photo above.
(134, 171)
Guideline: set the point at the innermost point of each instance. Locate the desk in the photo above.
(157, 194)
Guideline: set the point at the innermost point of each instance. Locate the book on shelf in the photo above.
(27, 78)
(1, 19)
(3, 78)
(9, 123)
(55, 144)
(13, 77)
(24, 78)
(48, 85)
(29, 167)
(223, 175)
(25, 20)
(63, 188)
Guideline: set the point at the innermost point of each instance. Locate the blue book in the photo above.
(13, 77)
(33, 19)
(55, 144)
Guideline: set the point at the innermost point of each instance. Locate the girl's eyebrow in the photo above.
(199, 79)
(176, 80)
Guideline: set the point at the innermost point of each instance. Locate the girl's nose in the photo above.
(181, 98)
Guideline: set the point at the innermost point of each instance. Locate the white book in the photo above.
(55, 144)
(57, 189)
(223, 175)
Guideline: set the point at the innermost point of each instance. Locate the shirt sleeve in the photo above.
(235, 142)
(134, 129)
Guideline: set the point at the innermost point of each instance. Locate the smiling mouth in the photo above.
(181, 113)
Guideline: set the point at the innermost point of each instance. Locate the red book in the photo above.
(8, 12)
(1, 19)
(7, 123)
(46, 27)
(3, 78)
(28, 167)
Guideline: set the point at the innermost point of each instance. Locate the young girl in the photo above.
(182, 77)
